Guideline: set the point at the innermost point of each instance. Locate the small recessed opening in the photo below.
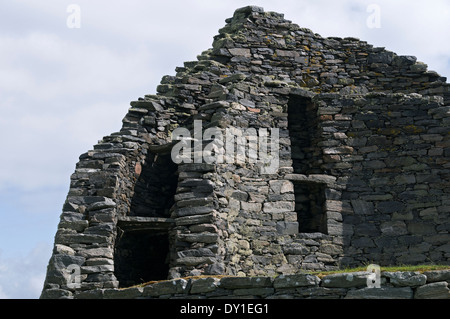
(155, 188)
(309, 205)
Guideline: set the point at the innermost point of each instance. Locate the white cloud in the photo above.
(47, 148)
(22, 276)
(46, 66)
(81, 98)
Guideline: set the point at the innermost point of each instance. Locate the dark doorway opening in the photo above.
(309, 205)
(141, 256)
(142, 245)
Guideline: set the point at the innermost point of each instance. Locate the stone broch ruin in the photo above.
(363, 174)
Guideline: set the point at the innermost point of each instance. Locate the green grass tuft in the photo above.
(417, 268)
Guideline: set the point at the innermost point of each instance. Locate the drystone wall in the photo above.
(393, 285)
(362, 168)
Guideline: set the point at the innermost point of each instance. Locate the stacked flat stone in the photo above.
(394, 285)
(364, 138)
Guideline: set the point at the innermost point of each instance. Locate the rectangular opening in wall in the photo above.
(310, 207)
(302, 124)
(141, 251)
(306, 160)
(142, 244)
(155, 188)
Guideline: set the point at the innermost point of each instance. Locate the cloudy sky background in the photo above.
(62, 89)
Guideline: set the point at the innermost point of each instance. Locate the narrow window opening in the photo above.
(155, 188)
(302, 125)
(309, 205)
(306, 160)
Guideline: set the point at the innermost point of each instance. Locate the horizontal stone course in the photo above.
(300, 286)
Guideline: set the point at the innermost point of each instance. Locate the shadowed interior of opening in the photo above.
(155, 188)
(309, 205)
(141, 256)
(302, 126)
(306, 160)
(141, 250)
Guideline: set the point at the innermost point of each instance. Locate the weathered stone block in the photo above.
(56, 293)
(407, 278)
(90, 294)
(287, 228)
(251, 207)
(168, 287)
(195, 202)
(105, 203)
(194, 219)
(240, 52)
(394, 228)
(69, 239)
(129, 293)
(97, 269)
(279, 207)
(245, 282)
(203, 285)
(345, 280)
(194, 261)
(295, 249)
(380, 293)
(321, 293)
(199, 237)
(199, 228)
(64, 250)
(294, 281)
(191, 211)
(436, 290)
(437, 275)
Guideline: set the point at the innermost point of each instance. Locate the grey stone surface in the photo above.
(203, 285)
(345, 280)
(178, 286)
(402, 279)
(380, 293)
(245, 282)
(292, 281)
(301, 286)
(362, 170)
(436, 290)
(437, 275)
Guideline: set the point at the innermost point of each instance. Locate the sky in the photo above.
(69, 69)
